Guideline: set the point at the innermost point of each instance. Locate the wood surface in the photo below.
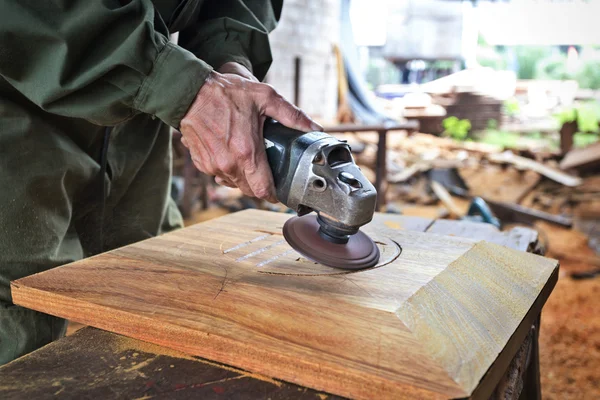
(526, 163)
(582, 158)
(96, 364)
(499, 184)
(441, 315)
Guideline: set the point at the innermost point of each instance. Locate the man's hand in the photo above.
(223, 130)
(236, 69)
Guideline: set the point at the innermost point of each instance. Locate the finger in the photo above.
(240, 182)
(224, 182)
(276, 106)
(257, 170)
(260, 180)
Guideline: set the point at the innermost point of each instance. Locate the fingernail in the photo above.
(316, 127)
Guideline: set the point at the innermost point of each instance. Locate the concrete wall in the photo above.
(424, 29)
(308, 29)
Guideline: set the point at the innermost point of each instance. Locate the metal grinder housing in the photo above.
(316, 172)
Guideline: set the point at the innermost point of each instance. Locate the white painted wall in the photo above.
(308, 29)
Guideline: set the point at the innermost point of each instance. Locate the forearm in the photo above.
(234, 31)
(104, 64)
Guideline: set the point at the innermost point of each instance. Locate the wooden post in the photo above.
(567, 130)
(297, 71)
(381, 169)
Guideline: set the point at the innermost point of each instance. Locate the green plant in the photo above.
(588, 75)
(457, 129)
(528, 58)
(500, 138)
(587, 116)
(566, 115)
(581, 139)
(553, 67)
(512, 107)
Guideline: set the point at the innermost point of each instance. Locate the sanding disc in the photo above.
(302, 233)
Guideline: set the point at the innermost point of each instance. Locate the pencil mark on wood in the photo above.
(259, 251)
(249, 242)
(270, 260)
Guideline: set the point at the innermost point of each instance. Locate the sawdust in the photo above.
(570, 339)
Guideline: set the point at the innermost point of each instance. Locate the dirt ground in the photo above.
(570, 331)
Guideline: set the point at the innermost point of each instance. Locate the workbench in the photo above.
(94, 363)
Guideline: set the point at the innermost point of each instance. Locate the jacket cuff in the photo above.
(172, 86)
(219, 53)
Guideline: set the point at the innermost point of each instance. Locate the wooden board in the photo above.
(518, 238)
(526, 163)
(499, 184)
(582, 158)
(96, 364)
(437, 317)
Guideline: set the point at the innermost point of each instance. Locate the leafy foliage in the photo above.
(511, 107)
(587, 116)
(589, 75)
(553, 67)
(581, 139)
(457, 129)
(528, 58)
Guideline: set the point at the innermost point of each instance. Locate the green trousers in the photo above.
(49, 199)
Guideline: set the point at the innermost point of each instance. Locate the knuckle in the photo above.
(270, 92)
(227, 166)
(209, 170)
(262, 192)
(245, 151)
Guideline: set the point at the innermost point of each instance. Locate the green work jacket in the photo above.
(105, 61)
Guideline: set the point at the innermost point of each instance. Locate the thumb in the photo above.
(278, 108)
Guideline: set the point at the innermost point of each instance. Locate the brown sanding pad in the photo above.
(302, 233)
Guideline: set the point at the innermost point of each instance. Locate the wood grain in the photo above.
(231, 291)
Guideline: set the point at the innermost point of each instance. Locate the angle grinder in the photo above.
(316, 172)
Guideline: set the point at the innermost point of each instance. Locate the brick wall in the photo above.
(308, 29)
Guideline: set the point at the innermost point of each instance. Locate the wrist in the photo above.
(236, 68)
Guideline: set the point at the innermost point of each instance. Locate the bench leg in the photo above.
(532, 389)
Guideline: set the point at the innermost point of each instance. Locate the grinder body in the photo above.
(316, 172)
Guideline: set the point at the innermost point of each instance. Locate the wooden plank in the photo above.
(583, 158)
(499, 184)
(518, 238)
(231, 290)
(96, 364)
(526, 163)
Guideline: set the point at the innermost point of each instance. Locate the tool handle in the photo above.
(279, 142)
(480, 207)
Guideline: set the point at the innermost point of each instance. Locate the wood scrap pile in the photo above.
(481, 170)
(437, 177)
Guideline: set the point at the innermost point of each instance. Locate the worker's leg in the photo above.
(41, 170)
(140, 204)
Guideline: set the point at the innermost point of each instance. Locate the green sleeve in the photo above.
(234, 30)
(97, 60)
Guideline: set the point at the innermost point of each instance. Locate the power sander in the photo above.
(316, 172)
